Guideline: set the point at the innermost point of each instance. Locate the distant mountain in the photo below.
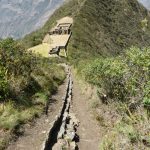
(19, 17)
(146, 3)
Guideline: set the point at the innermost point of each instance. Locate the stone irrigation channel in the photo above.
(62, 135)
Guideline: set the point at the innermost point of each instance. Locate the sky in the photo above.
(146, 3)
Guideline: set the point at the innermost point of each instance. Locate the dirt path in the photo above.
(88, 130)
(35, 134)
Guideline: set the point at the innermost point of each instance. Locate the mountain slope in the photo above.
(104, 27)
(107, 27)
(19, 17)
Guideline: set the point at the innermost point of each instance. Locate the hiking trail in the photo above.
(68, 124)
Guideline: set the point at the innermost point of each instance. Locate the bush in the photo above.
(124, 78)
(15, 58)
(26, 83)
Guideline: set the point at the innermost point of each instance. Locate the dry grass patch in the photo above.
(42, 49)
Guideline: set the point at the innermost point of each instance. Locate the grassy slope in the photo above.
(106, 27)
(115, 26)
(103, 27)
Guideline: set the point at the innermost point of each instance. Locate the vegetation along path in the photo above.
(76, 119)
(35, 133)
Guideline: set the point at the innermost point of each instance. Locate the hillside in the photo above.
(69, 8)
(27, 16)
(100, 27)
(108, 27)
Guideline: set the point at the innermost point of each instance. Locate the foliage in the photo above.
(17, 64)
(3, 84)
(101, 28)
(14, 58)
(26, 82)
(124, 78)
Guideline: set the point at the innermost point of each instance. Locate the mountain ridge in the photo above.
(18, 17)
(100, 27)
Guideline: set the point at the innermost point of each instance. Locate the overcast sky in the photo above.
(146, 3)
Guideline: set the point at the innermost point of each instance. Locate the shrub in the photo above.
(124, 78)
(15, 58)
(26, 83)
(129, 131)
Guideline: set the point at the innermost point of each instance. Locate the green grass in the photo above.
(4, 142)
(13, 116)
(126, 133)
(130, 132)
(31, 105)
